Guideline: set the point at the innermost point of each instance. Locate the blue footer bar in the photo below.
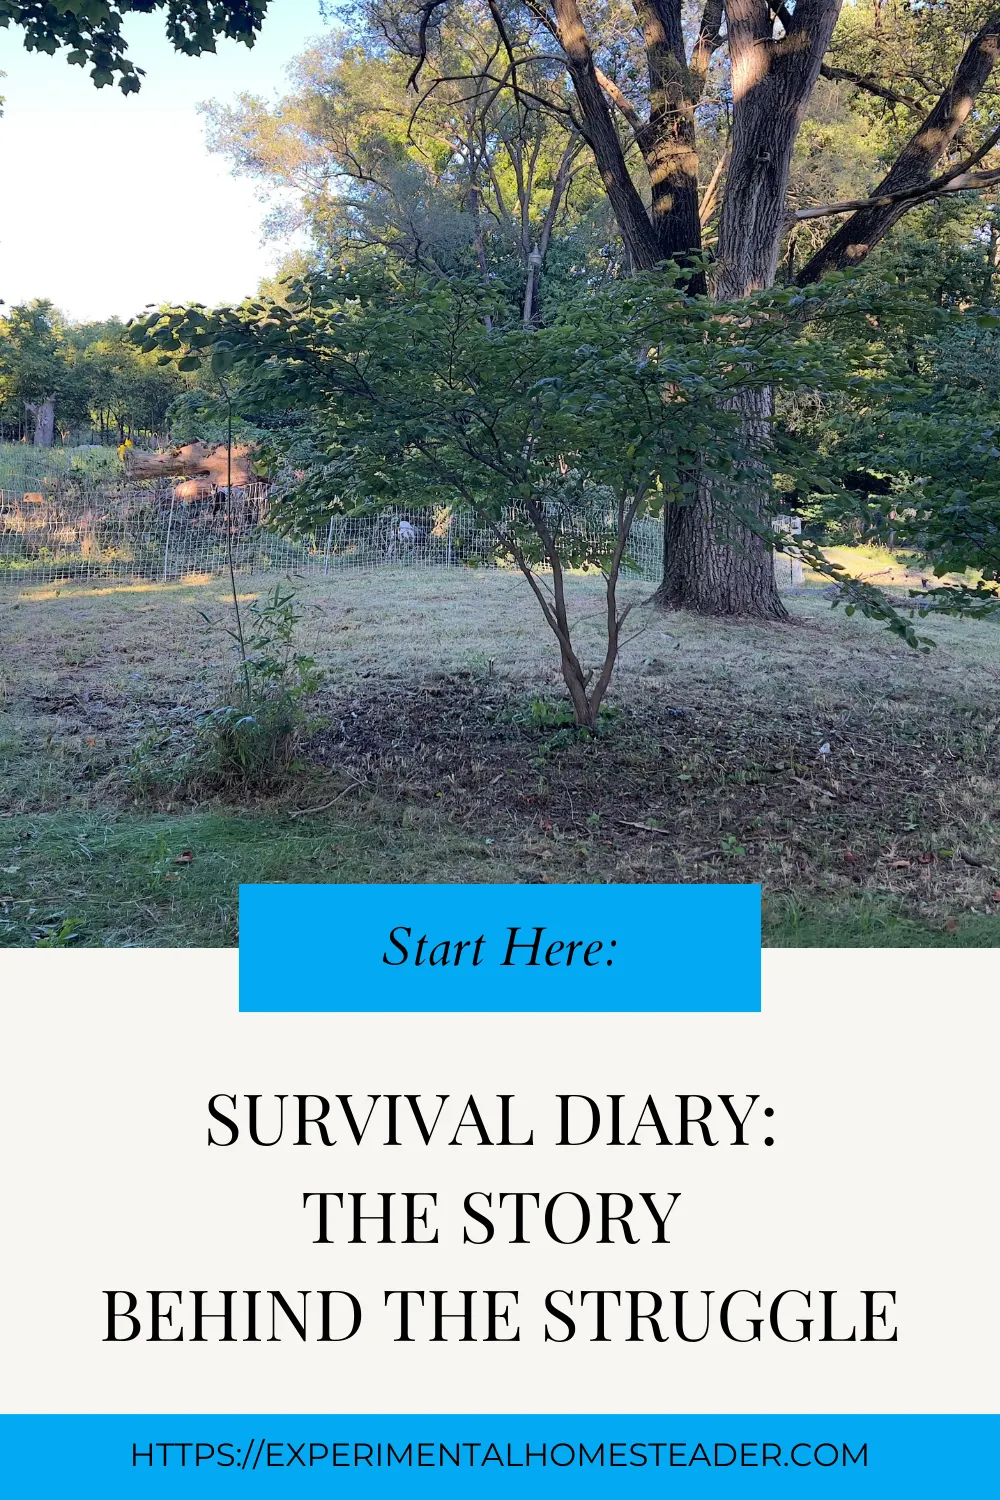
(113, 1456)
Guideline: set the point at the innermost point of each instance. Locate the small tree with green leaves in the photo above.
(557, 439)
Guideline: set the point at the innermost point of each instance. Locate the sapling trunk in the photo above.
(585, 699)
(244, 663)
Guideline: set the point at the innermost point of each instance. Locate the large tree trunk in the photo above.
(773, 81)
(43, 414)
(713, 562)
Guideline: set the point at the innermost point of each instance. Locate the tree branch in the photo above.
(870, 86)
(710, 196)
(602, 137)
(966, 183)
(910, 177)
(426, 15)
(707, 42)
(617, 98)
(498, 22)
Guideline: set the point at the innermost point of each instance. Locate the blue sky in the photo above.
(108, 201)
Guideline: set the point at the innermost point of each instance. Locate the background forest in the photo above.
(78, 383)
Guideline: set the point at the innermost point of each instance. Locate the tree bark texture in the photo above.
(667, 140)
(773, 80)
(713, 562)
(43, 414)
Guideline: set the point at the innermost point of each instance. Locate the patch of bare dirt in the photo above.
(714, 790)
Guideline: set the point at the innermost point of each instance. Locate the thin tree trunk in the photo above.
(532, 311)
(992, 261)
(602, 137)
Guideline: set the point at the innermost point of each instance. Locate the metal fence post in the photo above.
(166, 544)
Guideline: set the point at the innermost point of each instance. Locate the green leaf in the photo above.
(222, 358)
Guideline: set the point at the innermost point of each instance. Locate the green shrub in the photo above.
(248, 743)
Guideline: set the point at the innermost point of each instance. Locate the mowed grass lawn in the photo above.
(858, 781)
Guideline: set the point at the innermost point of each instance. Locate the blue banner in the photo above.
(500, 948)
(878, 1457)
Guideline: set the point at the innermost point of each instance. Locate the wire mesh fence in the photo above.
(80, 530)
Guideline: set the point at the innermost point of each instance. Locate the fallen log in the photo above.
(204, 466)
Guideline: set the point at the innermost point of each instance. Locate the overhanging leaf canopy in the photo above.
(92, 29)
